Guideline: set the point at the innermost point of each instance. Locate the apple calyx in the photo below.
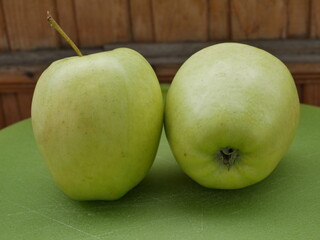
(228, 156)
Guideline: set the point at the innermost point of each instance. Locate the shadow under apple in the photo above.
(166, 185)
(168, 199)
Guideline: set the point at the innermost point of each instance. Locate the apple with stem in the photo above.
(97, 121)
(231, 114)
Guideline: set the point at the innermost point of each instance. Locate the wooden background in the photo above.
(92, 24)
(97, 22)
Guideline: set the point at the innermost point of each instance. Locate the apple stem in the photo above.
(56, 26)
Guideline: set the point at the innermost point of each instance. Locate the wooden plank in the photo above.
(67, 20)
(3, 33)
(166, 73)
(244, 19)
(298, 19)
(314, 19)
(162, 50)
(2, 118)
(304, 68)
(10, 108)
(37, 75)
(258, 19)
(306, 52)
(219, 20)
(180, 20)
(311, 94)
(13, 82)
(300, 91)
(39, 57)
(24, 103)
(27, 27)
(102, 21)
(141, 20)
(301, 56)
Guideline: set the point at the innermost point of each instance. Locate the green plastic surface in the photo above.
(167, 204)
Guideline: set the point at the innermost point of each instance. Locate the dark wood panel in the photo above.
(305, 52)
(300, 91)
(166, 73)
(67, 20)
(142, 20)
(258, 19)
(180, 20)
(16, 82)
(298, 19)
(27, 27)
(303, 70)
(24, 103)
(3, 33)
(10, 108)
(219, 20)
(2, 117)
(314, 19)
(102, 21)
(97, 22)
(311, 94)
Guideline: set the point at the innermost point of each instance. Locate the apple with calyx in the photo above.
(231, 114)
(97, 121)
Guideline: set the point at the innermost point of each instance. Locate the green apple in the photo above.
(231, 114)
(97, 121)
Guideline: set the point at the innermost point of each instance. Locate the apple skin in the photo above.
(231, 96)
(97, 121)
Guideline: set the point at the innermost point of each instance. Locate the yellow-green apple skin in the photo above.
(231, 114)
(97, 121)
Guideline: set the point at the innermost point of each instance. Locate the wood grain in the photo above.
(258, 19)
(141, 20)
(166, 73)
(219, 20)
(24, 103)
(27, 27)
(10, 108)
(16, 82)
(3, 33)
(102, 21)
(311, 94)
(298, 19)
(2, 117)
(180, 20)
(314, 19)
(304, 69)
(300, 92)
(67, 20)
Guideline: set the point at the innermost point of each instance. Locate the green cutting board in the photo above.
(167, 204)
